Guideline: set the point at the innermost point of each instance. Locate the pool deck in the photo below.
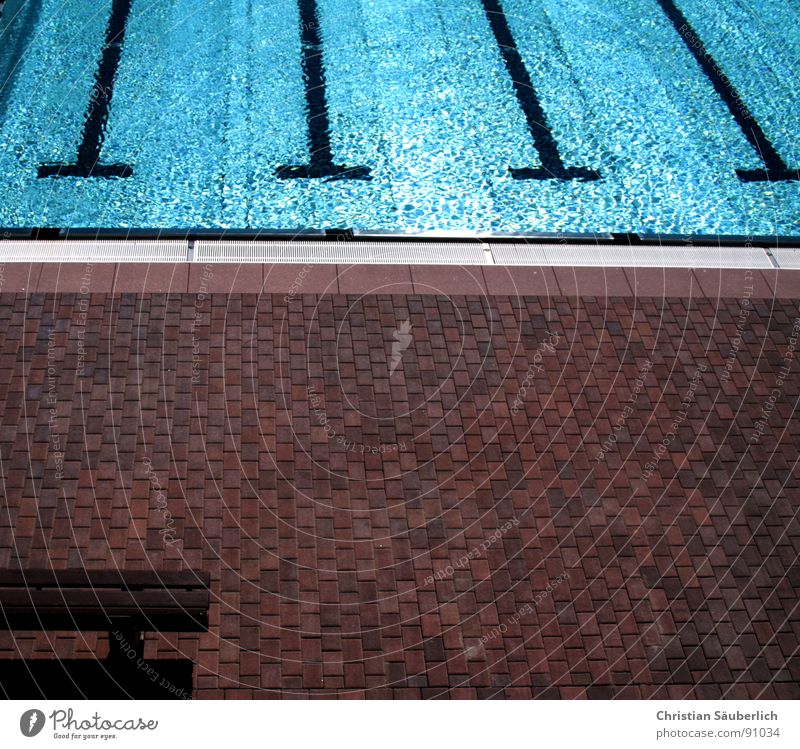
(328, 278)
(499, 518)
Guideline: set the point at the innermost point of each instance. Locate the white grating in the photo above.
(787, 258)
(640, 256)
(393, 252)
(518, 254)
(93, 251)
(309, 251)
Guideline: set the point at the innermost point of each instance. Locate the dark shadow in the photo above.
(95, 679)
(17, 27)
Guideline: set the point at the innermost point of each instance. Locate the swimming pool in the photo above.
(655, 116)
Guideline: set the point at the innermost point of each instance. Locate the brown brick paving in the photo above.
(443, 530)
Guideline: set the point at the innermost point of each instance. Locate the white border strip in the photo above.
(310, 251)
(91, 251)
(391, 252)
(638, 256)
(787, 258)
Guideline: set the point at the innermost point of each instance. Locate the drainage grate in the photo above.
(307, 251)
(90, 251)
(520, 254)
(630, 256)
(787, 258)
(391, 252)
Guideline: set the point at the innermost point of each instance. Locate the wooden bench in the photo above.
(113, 600)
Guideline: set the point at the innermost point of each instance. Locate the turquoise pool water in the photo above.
(403, 115)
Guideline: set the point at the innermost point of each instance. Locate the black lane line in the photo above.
(776, 168)
(87, 162)
(17, 36)
(553, 166)
(321, 164)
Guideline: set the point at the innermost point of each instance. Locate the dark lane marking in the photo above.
(553, 166)
(16, 35)
(321, 165)
(776, 168)
(87, 163)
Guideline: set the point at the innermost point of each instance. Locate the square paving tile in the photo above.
(522, 280)
(90, 278)
(154, 278)
(448, 280)
(20, 278)
(289, 278)
(225, 278)
(662, 282)
(598, 282)
(375, 279)
(734, 283)
(785, 284)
